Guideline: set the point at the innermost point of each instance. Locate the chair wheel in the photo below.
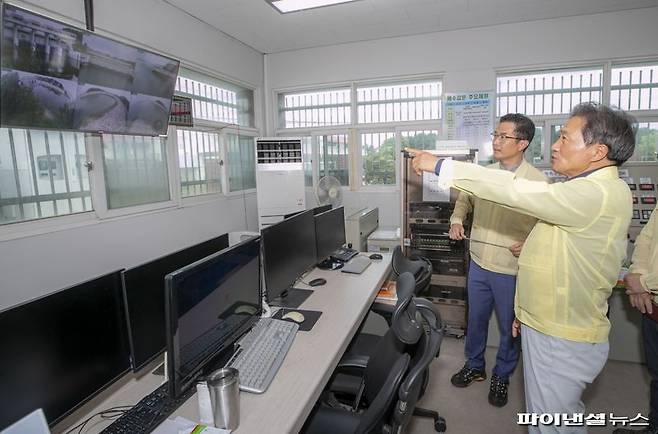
(440, 425)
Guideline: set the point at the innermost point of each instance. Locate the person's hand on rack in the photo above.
(516, 248)
(456, 232)
(422, 161)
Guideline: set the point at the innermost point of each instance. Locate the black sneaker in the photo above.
(498, 391)
(466, 376)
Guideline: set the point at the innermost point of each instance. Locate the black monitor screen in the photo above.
(320, 209)
(144, 293)
(62, 349)
(288, 251)
(329, 232)
(209, 305)
(61, 77)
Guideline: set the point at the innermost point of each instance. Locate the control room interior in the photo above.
(163, 138)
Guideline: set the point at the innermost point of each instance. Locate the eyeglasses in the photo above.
(495, 136)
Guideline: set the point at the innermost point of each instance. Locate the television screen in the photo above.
(56, 76)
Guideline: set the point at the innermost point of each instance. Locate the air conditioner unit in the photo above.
(279, 178)
(359, 225)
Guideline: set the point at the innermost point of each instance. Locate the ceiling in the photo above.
(259, 25)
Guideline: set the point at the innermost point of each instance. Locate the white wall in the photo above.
(36, 265)
(468, 59)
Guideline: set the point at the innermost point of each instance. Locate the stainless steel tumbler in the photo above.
(224, 387)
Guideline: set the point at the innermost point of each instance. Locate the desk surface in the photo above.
(283, 408)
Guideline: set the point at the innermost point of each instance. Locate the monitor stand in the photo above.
(329, 264)
(292, 298)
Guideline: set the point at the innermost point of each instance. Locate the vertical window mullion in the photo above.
(14, 162)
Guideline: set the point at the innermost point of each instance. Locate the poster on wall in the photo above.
(469, 116)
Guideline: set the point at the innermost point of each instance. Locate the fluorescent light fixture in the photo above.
(285, 6)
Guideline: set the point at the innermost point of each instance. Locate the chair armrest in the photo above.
(353, 363)
(327, 420)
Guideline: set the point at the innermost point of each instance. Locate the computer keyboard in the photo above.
(148, 413)
(344, 254)
(261, 353)
(357, 265)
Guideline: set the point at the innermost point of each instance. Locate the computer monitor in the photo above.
(62, 349)
(143, 288)
(288, 251)
(317, 210)
(320, 209)
(329, 232)
(209, 305)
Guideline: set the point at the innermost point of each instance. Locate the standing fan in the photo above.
(328, 192)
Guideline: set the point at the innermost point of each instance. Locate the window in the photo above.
(315, 109)
(399, 102)
(216, 100)
(42, 174)
(646, 143)
(634, 87)
(378, 158)
(333, 158)
(135, 169)
(307, 159)
(199, 162)
(534, 153)
(425, 139)
(241, 157)
(548, 93)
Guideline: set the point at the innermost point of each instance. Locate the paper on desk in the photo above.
(180, 425)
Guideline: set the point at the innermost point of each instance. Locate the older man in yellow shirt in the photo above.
(570, 260)
(497, 236)
(642, 288)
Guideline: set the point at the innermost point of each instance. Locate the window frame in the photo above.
(355, 129)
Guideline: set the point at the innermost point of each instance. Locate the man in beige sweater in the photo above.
(497, 236)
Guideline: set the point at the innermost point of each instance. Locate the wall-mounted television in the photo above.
(56, 76)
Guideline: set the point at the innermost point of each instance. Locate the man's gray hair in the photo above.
(611, 127)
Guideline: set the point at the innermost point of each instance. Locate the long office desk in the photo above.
(283, 408)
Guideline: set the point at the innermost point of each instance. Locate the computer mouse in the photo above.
(245, 308)
(298, 317)
(376, 256)
(317, 282)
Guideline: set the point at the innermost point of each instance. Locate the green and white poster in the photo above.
(469, 116)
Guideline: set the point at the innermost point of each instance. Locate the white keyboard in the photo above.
(357, 265)
(261, 353)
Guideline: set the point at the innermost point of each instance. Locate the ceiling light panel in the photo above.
(285, 6)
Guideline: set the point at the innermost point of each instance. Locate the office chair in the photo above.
(419, 266)
(415, 382)
(372, 383)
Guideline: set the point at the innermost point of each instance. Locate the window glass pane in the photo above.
(399, 102)
(333, 157)
(315, 109)
(42, 174)
(135, 170)
(199, 162)
(425, 139)
(635, 87)
(646, 143)
(534, 154)
(217, 100)
(555, 133)
(547, 92)
(240, 153)
(307, 158)
(378, 153)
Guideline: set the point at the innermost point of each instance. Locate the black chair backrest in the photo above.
(381, 406)
(427, 349)
(420, 267)
(405, 330)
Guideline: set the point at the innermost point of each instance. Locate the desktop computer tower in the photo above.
(426, 214)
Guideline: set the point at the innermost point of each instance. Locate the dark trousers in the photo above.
(488, 291)
(650, 333)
